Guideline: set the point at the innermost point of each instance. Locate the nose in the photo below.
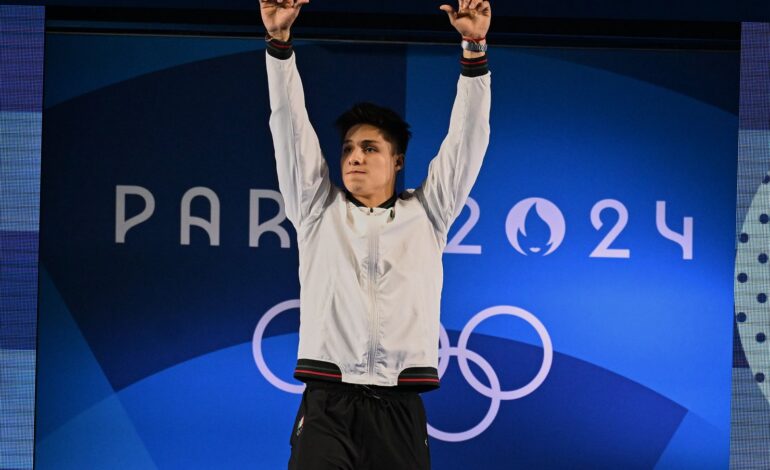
(355, 157)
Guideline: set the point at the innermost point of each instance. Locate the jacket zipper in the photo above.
(372, 295)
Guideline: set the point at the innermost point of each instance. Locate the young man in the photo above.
(370, 260)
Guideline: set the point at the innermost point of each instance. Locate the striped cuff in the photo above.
(279, 49)
(474, 67)
(425, 377)
(318, 370)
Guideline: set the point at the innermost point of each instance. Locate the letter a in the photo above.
(211, 227)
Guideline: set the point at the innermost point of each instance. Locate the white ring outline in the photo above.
(545, 367)
(494, 407)
(256, 347)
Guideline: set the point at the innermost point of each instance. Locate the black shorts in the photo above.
(358, 427)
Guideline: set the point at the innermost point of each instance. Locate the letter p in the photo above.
(121, 224)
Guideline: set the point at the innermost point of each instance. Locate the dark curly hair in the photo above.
(393, 128)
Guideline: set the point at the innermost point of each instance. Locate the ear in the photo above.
(399, 161)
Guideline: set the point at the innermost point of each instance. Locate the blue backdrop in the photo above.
(588, 283)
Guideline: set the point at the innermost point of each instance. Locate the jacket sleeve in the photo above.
(453, 171)
(303, 176)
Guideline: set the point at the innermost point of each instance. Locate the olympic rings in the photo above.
(461, 351)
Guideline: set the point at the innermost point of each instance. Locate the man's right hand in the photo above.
(279, 15)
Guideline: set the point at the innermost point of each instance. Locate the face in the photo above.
(369, 165)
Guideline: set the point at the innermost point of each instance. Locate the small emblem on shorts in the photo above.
(426, 442)
(300, 424)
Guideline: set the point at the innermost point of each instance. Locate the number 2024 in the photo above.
(602, 250)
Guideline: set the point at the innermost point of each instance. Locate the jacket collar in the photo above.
(385, 205)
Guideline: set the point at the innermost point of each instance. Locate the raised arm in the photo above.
(303, 176)
(453, 171)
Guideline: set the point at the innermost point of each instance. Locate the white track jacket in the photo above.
(371, 279)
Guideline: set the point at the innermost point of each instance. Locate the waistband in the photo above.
(412, 379)
(373, 391)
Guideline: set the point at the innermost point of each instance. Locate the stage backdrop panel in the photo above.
(588, 282)
(750, 436)
(21, 106)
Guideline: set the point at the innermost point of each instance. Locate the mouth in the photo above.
(356, 172)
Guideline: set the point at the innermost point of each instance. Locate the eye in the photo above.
(370, 148)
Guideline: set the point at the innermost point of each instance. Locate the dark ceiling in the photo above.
(687, 24)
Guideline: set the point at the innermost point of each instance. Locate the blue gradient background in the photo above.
(145, 348)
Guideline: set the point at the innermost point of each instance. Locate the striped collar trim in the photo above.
(385, 205)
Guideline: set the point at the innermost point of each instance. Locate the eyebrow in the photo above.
(363, 142)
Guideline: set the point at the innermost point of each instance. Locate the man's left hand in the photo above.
(472, 18)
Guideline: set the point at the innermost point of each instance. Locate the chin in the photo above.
(354, 188)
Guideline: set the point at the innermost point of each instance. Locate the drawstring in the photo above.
(367, 391)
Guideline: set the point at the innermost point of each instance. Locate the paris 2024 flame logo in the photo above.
(515, 225)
